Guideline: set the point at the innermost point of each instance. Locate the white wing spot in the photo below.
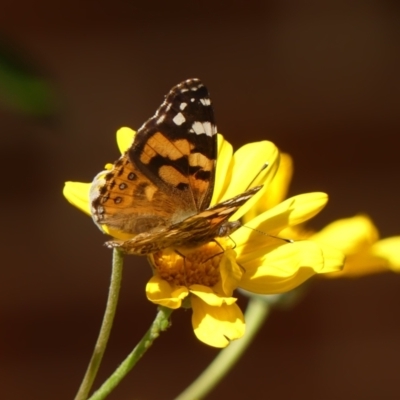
(183, 106)
(198, 128)
(205, 102)
(192, 99)
(203, 127)
(168, 106)
(184, 90)
(179, 119)
(209, 128)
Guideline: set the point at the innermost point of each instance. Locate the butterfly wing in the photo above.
(124, 199)
(195, 230)
(168, 173)
(176, 148)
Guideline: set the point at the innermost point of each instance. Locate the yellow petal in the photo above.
(389, 249)
(210, 297)
(334, 259)
(351, 235)
(248, 164)
(231, 272)
(277, 188)
(217, 326)
(382, 256)
(294, 211)
(224, 169)
(254, 164)
(360, 264)
(161, 292)
(288, 266)
(77, 194)
(291, 212)
(125, 138)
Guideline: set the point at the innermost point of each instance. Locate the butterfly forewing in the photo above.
(176, 148)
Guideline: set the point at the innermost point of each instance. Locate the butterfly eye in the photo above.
(228, 227)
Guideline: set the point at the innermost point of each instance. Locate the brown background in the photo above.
(320, 79)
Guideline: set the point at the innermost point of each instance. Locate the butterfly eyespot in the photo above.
(132, 176)
(118, 200)
(105, 198)
(123, 186)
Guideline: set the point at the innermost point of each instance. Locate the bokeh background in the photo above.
(319, 78)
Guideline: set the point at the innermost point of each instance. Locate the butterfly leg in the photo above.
(223, 250)
(184, 265)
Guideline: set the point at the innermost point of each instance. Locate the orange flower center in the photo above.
(185, 268)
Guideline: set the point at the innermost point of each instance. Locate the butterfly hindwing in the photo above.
(125, 199)
(193, 231)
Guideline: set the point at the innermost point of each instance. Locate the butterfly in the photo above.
(160, 189)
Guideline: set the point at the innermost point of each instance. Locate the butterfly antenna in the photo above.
(265, 166)
(267, 234)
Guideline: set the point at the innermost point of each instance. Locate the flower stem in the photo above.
(104, 334)
(256, 314)
(160, 323)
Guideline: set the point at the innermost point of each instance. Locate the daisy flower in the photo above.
(257, 257)
(357, 237)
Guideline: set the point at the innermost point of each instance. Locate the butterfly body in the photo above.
(160, 189)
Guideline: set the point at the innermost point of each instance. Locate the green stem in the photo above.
(160, 323)
(104, 334)
(256, 314)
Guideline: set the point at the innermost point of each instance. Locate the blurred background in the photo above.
(318, 78)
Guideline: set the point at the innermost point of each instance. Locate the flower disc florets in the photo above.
(199, 266)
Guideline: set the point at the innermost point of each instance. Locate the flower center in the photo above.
(199, 266)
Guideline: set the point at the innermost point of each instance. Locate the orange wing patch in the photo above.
(128, 201)
(172, 176)
(158, 144)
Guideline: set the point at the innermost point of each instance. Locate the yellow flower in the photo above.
(252, 258)
(356, 237)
